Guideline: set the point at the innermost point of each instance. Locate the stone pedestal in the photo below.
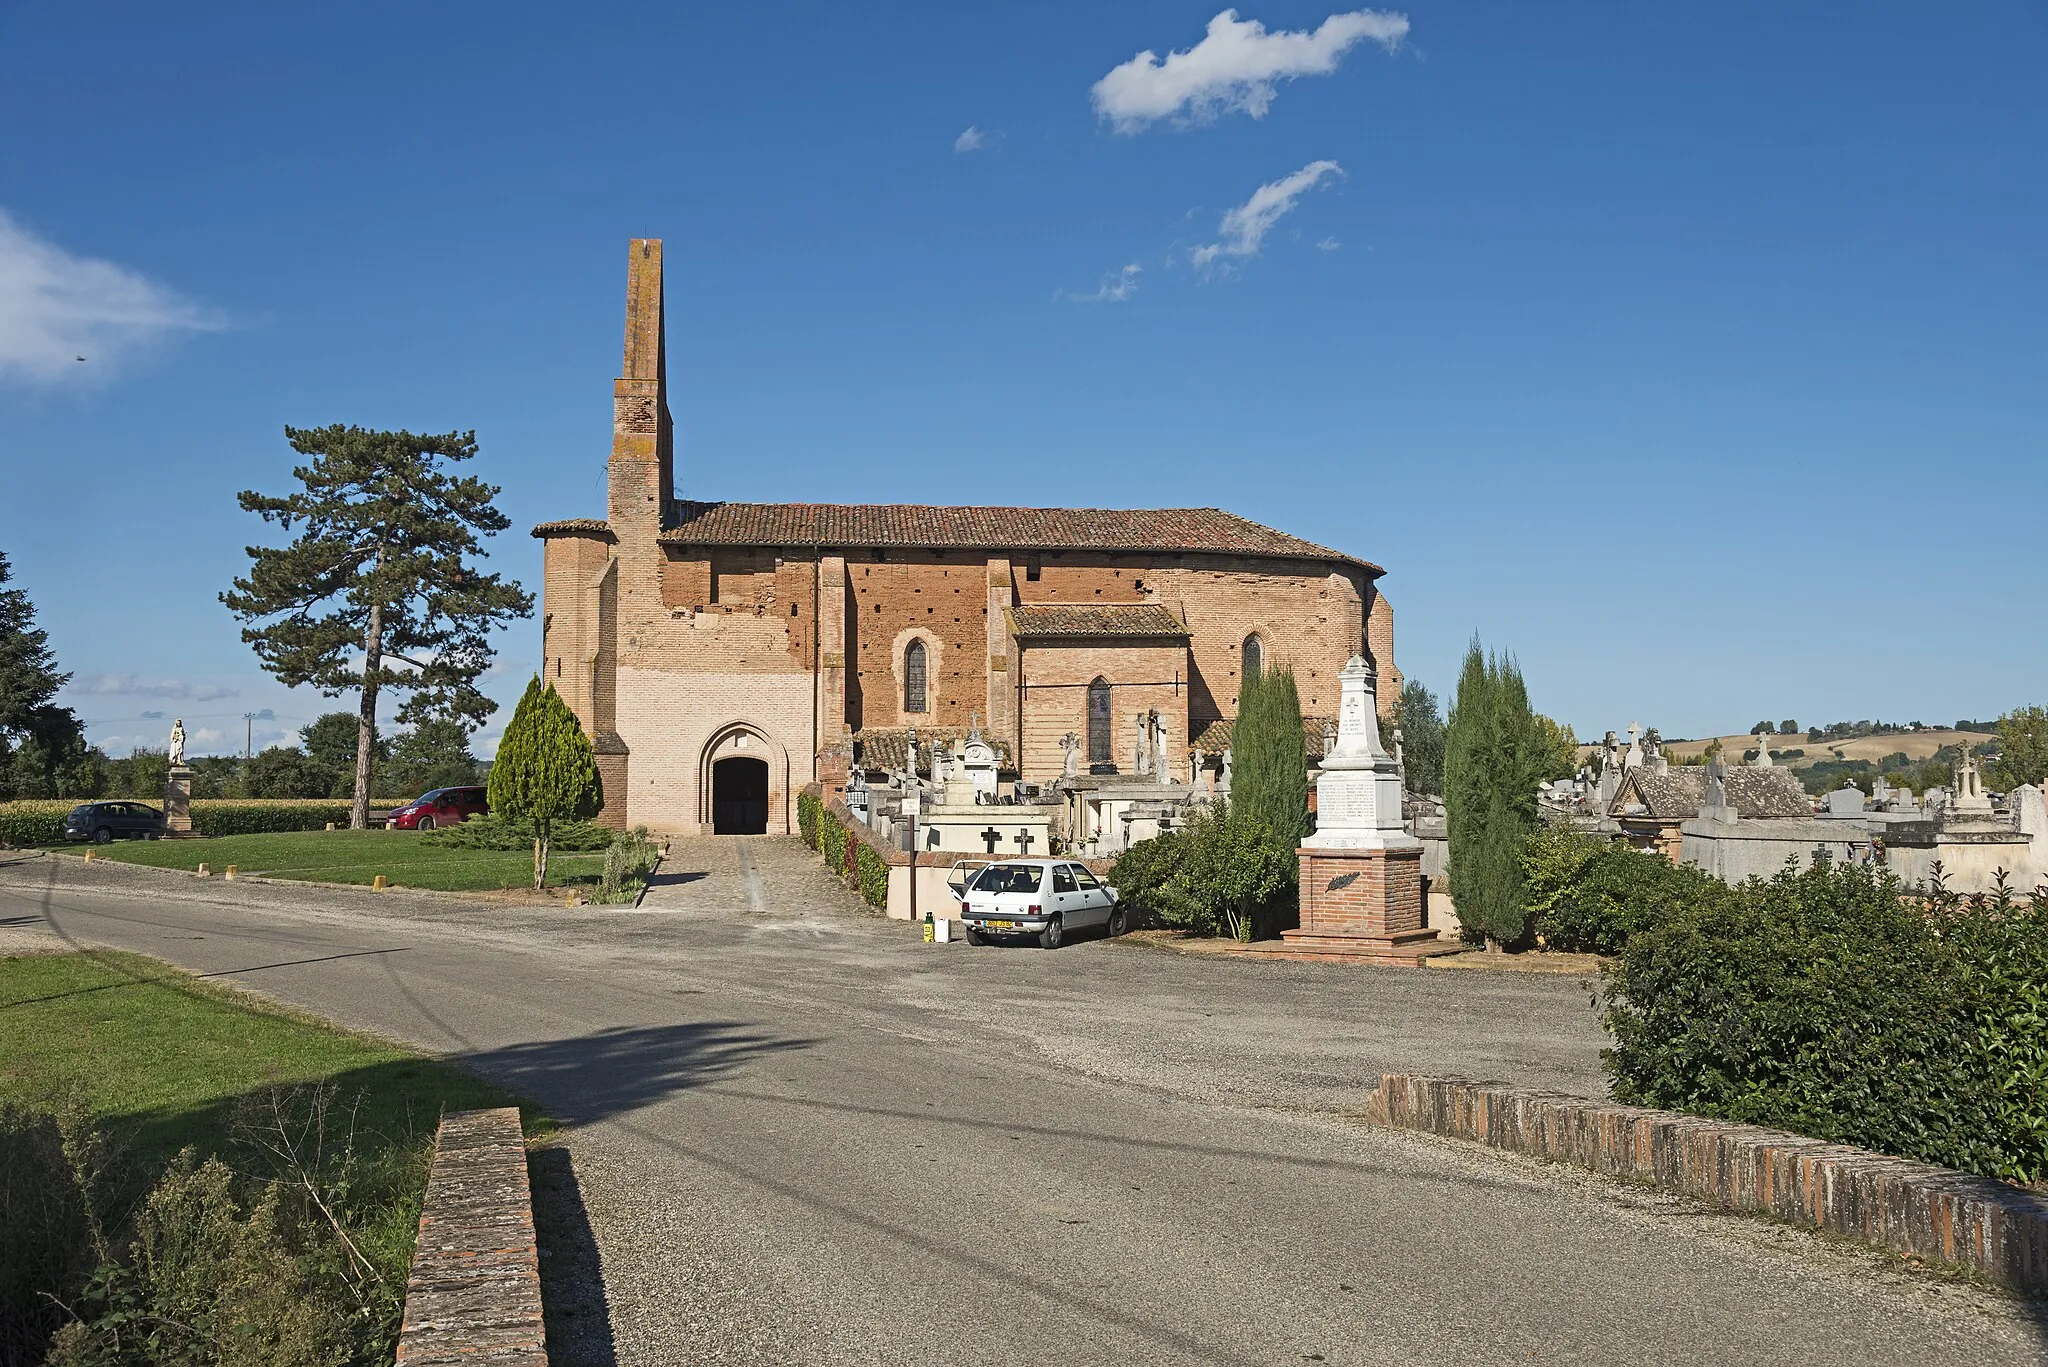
(178, 802)
(1362, 906)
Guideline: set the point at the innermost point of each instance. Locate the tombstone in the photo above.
(1195, 758)
(2029, 809)
(1714, 806)
(1763, 752)
(977, 765)
(1634, 758)
(1400, 756)
(910, 757)
(1223, 786)
(1969, 797)
(1141, 759)
(1161, 770)
(1846, 800)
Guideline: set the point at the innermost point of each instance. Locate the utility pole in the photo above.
(248, 734)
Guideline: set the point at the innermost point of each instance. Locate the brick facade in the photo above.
(679, 648)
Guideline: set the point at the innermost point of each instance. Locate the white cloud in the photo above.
(1116, 287)
(1246, 226)
(131, 686)
(65, 317)
(1328, 244)
(973, 140)
(1234, 68)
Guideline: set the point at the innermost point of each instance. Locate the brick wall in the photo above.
(1055, 699)
(474, 1291)
(1361, 892)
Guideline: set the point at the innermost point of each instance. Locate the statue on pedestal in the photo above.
(178, 743)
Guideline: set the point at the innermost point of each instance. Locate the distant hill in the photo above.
(1917, 746)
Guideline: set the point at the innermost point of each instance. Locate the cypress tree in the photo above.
(545, 771)
(1269, 764)
(1492, 764)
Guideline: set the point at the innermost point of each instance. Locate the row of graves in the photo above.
(1749, 820)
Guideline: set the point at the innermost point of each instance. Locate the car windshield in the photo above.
(427, 797)
(1008, 878)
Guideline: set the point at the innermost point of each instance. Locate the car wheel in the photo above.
(103, 836)
(426, 824)
(1049, 938)
(1118, 922)
(975, 937)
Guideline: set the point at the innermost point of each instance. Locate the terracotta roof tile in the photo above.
(994, 529)
(574, 526)
(1678, 793)
(882, 748)
(1093, 619)
(1213, 736)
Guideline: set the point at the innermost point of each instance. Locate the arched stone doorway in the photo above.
(739, 796)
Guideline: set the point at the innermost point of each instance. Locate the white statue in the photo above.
(177, 742)
(1070, 743)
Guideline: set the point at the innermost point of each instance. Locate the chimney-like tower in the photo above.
(643, 465)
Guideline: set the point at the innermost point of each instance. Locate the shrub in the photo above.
(628, 860)
(41, 821)
(1142, 869)
(872, 872)
(1827, 1003)
(832, 839)
(1589, 894)
(1232, 876)
(545, 771)
(808, 809)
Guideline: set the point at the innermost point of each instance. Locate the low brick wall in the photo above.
(1987, 1226)
(474, 1293)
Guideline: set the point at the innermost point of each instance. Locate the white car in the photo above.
(1041, 897)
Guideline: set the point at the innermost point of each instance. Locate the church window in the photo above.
(1254, 656)
(1098, 722)
(913, 677)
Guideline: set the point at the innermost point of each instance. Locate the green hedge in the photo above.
(1827, 1003)
(1587, 893)
(832, 840)
(873, 873)
(41, 822)
(809, 809)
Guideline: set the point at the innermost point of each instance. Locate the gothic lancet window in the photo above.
(913, 677)
(1254, 656)
(1099, 722)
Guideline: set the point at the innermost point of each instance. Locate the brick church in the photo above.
(724, 655)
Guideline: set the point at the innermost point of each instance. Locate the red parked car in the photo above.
(442, 807)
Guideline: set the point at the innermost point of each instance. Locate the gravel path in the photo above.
(796, 1133)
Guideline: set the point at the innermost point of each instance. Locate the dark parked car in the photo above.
(100, 822)
(442, 807)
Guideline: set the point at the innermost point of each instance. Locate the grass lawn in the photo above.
(405, 858)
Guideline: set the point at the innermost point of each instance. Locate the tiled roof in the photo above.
(994, 529)
(1213, 736)
(1093, 619)
(574, 526)
(1678, 794)
(882, 748)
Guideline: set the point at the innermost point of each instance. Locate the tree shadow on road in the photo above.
(591, 1077)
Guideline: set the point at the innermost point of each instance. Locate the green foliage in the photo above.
(1231, 876)
(330, 740)
(1825, 1002)
(628, 860)
(2022, 748)
(1788, 727)
(41, 822)
(1493, 760)
(1422, 739)
(871, 871)
(545, 771)
(379, 590)
(283, 772)
(433, 754)
(832, 838)
(1587, 894)
(1142, 870)
(38, 739)
(1557, 748)
(494, 832)
(1269, 774)
(809, 809)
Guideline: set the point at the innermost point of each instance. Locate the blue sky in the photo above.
(1698, 354)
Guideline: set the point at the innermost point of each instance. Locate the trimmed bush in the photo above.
(1589, 894)
(809, 808)
(507, 833)
(1827, 1003)
(832, 839)
(1142, 870)
(872, 872)
(41, 822)
(1230, 876)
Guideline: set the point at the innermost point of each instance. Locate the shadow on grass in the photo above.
(573, 1302)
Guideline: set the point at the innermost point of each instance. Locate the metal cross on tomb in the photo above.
(991, 836)
(1023, 842)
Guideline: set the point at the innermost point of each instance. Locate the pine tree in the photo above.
(545, 771)
(37, 737)
(1493, 760)
(1269, 762)
(379, 590)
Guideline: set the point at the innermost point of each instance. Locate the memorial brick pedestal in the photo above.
(178, 802)
(1361, 872)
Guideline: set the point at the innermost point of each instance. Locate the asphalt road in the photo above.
(797, 1135)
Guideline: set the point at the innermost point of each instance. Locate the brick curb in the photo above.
(474, 1292)
(1986, 1226)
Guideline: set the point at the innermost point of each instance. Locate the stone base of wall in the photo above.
(474, 1292)
(1989, 1227)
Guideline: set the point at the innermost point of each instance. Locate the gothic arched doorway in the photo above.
(739, 796)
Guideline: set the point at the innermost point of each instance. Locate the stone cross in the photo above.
(1142, 761)
(1160, 770)
(1763, 751)
(1070, 743)
(1023, 842)
(910, 755)
(1634, 758)
(990, 837)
